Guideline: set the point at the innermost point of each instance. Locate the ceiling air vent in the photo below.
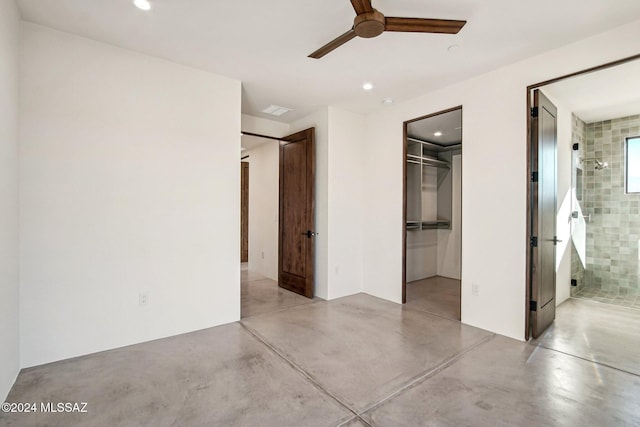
(276, 110)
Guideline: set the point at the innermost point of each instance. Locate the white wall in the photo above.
(340, 152)
(437, 252)
(320, 120)
(129, 184)
(346, 182)
(422, 254)
(494, 180)
(9, 287)
(263, 208)
(450, 240)
(263, 194)
(422, 245)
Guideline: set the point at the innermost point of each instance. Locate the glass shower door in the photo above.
(579, 220)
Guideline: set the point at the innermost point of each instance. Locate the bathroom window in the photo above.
(632, 164)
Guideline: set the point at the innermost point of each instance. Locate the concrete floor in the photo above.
(355, 361)
(436, 295)
(602, 333)
(260, 295)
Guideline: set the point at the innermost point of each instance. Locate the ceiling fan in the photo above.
(371, 23)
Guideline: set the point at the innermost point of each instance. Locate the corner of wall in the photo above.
(346, 148)
(9, 196)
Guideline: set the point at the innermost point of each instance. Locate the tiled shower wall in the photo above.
(614, 228)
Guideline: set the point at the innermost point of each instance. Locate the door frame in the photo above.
(404, 198)
(244, 211)
(311, 200)
(531, 158)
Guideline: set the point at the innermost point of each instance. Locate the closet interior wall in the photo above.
(433, 210)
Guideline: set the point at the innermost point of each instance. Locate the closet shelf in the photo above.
(432, 146)
(439, 223)
(428, 225)
(414, 225)
(427, 161)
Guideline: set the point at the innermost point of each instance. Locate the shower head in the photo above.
(599, 164)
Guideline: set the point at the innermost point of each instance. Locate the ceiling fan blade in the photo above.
(419, 25)
(362, 6)
(334, 44)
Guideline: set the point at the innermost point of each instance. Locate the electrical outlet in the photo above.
(475, 290)
(143, 299)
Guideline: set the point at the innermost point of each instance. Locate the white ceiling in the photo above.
(265, 43)
(602, 95)
(448, 124)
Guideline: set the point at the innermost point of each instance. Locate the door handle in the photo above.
(309, 234)
(555, 240)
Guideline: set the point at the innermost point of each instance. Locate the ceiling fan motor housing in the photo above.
(368, 25)
(371, 23)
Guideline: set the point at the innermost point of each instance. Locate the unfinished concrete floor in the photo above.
(436, 295)
(354, 361)
(602, 333)
(260, 295)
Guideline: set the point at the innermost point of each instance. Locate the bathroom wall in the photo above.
(614, 228)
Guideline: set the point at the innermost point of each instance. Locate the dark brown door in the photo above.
(543, 226)
(297, 208)
(244, 212)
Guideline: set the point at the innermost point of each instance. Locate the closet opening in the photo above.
(432, 212)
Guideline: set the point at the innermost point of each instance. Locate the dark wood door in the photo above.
(244, 212)
(543, 226)
(297, 210)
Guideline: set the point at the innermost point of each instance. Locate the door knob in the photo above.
(309, 234)
(555, 240)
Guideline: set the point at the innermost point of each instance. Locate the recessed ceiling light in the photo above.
(367, 86)
(437, 133)
(142, 4)
(276, 110)
(453, 48)
(387, 101)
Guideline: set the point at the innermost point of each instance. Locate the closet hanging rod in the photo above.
(429, 161)
(434, 162)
